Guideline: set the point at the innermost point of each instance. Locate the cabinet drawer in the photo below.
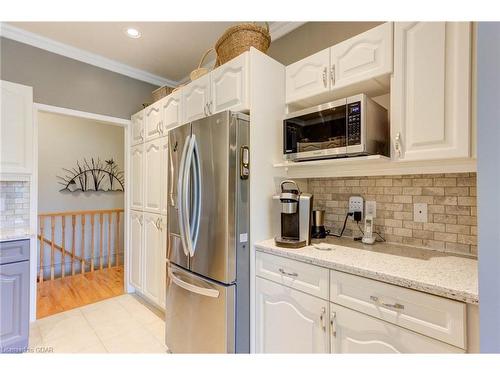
(430, 315)
(14, 251)
(301, 276)
(353, 332)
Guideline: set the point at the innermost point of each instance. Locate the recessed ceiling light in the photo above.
(132, 33)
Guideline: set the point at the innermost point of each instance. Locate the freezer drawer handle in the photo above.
(213, 293)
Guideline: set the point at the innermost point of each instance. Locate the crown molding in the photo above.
(279, 29)
(38, 41)
(276, 29)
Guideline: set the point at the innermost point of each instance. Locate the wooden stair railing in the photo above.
(84, 257)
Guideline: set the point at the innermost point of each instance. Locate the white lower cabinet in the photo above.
(154, 244)
(354, 332)
(289, 321)
(147, 245)
(136, 221)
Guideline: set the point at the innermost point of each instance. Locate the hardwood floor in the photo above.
(55, 296)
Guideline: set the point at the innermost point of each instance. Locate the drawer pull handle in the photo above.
(292, 274)
(396, 306)
(322, 318)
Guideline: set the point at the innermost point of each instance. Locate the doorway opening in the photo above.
(80, 204)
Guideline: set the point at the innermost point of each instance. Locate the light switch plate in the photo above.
(420, 212)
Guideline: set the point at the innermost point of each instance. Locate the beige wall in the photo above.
(64, 140)
(313, 37)
(68, 83)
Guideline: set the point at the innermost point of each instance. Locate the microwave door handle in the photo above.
(181, 197)
(213, 293)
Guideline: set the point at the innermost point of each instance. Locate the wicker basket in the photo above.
(238, 39)
(161, 93)
(200, 71)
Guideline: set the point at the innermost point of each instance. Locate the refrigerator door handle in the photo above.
(213, 293)
(181, 214)
(191, 233)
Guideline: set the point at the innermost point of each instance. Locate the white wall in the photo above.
(488, 121)
(62, 140)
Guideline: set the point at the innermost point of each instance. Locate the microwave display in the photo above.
(316, 131)
(354, 123)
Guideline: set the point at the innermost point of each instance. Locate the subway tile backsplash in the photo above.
(14, 206)
(451, 203)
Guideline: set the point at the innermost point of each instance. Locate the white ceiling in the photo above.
(166, 49)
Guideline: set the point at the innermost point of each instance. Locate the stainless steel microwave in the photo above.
(352, 126)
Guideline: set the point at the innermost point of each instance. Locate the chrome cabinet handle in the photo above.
(397, 144)
(333, 326)
(396, 306)
(322, 318)
(324, 76)
(210, 107)
(141, 134)
(292, 274)
(332, 74)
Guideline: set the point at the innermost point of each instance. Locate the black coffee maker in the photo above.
(318, 229)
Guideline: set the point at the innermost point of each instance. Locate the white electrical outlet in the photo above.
(371, 208)
(356, 204)
(420, 212)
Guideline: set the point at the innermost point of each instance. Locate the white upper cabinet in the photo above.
(137, 177)
(430, 91)
(136, 249)
(153, 173)
(289, 321)
(171, 106)
(365, 56)
(195, 99)
(16, 128)
(154, 120)
(230, 86)
(137, 125)
(308, 77)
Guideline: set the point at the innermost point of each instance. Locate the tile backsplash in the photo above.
(14, 206)
(451, 204)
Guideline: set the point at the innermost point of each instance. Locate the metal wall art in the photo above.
(93, 176)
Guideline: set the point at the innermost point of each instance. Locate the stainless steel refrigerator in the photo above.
(208, 267)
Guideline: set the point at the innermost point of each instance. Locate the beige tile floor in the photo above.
(121, 324)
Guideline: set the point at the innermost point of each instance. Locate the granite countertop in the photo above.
(14, 234)
(443, 274)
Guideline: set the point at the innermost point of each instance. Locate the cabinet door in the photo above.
(162, 261)
(153, 175)
(171, 111)
(430, 94)
(151, 255)
(289, 321)
(164, 177)
(16, 128)
(353, 332)
(195, 97)
(154, 120)
(363, 57)
(137, 128)
(14, 305)
(308, 77)
(137, 177)
(136, 249)
(230, 85)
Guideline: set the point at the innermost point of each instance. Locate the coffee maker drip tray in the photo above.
(291, 243)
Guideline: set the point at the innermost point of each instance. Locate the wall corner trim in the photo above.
(38, 41)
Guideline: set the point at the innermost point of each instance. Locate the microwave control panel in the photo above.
(354, 124)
